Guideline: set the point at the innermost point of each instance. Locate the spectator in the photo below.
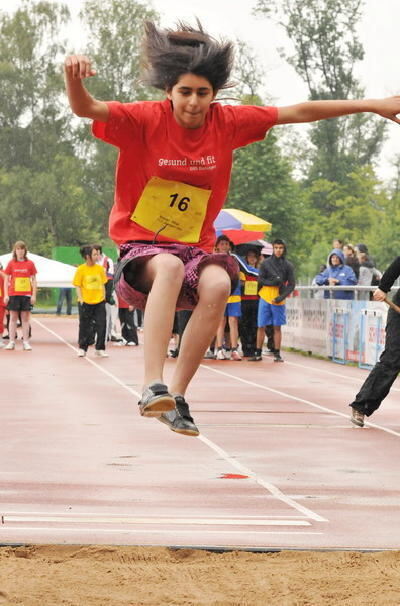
(249, 294)
(368, 274)
(351, 259)
(232, 311)
(89, 281)
(336, 243)
(337, 274)
(2, 306)
(20, 293)
(276, 279)
(381, 378)
(363, 248)
(127, 321)
(111, 317)
(64, 294)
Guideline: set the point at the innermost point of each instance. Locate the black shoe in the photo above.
(255, 358)
(277, 357)
(173, 353)
(180, 420)
(155, 400)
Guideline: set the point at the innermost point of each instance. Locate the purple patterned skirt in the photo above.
(194, 259)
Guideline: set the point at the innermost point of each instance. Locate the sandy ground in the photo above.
(52, 575)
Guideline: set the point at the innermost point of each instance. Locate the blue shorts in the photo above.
(233, 309)
(270, 315)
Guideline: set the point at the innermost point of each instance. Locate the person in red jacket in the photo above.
(20, 292)
(2, 306)
(172, 179)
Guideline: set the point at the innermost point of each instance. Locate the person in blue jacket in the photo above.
(337, 274)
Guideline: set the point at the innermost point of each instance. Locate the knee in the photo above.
(168, 267)
(216, 289)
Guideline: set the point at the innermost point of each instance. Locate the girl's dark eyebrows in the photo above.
(201, 88)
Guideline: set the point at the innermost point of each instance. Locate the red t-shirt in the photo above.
(1, 295)
(152, 144)
(20, 273)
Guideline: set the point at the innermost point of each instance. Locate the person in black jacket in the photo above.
(381, 378)
(276, 281)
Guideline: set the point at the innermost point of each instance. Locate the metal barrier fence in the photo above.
(342, 330)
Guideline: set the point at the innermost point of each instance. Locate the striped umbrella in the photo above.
(233, 218)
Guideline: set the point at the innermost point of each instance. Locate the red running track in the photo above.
(277, 465)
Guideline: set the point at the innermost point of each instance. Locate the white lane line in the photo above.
(11, 518)
(297, 399)
(332, 373)
(274, 490)
(147, 531)
(93, 516)
(270, 487)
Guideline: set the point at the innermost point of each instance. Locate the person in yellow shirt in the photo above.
(89, 281)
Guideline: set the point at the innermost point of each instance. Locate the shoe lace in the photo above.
(183, 408)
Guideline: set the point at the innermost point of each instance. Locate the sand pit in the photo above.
(52, 575)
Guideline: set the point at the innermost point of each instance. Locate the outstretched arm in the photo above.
(311, 111)
(76, 68)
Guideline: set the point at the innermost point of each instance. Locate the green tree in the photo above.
(115, 30)
(324, 36)
(41, 196)
(262, 184)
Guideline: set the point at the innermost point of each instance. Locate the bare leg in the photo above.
(165, 274)
(234, 330)
(12, 329)
(25, 315)
(214, 287)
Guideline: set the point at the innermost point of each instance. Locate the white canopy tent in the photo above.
(50, 274)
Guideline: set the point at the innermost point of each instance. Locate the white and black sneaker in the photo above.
(357, 417)
(155, 400)
(179, 419)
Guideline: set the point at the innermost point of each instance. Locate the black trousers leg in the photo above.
(248, 327)
(128, 327)
(100, 319)
(381, 378)
(86, 317)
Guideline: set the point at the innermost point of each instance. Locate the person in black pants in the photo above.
(89, 280)
(127, 321)
(381, 378)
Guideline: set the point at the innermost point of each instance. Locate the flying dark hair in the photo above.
(169, 54)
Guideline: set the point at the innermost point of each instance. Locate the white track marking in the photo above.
(148, 531)
(297, 399)
(270, 487)
(267, 485)
(13, 518)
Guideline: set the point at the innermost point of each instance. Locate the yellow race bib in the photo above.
(175, 210)
(250, 287)
(22, 285)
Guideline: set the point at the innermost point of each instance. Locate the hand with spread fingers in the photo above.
(78, 67)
